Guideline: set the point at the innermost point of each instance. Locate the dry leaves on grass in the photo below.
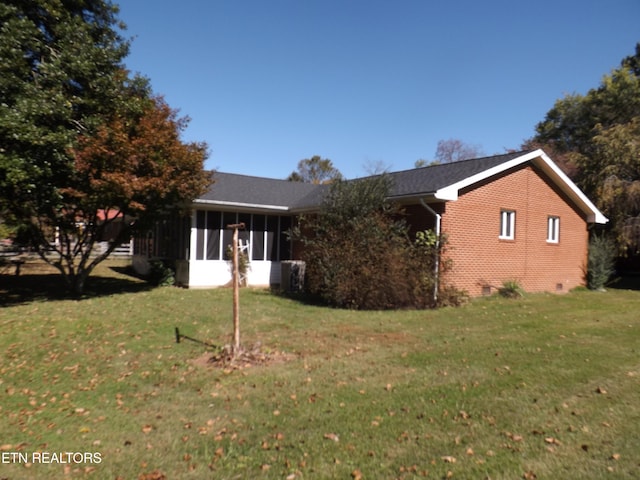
(155, 475)
(228, 360)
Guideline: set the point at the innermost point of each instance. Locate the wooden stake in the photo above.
(236, 289)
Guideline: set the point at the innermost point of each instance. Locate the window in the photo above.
(507, 224)
(200, 225)
(259, 227)
(264, 234)
(553, 229)
(213, 235)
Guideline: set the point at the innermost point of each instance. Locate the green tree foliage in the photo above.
(82, 145)
(358, 252)
(614, 177)
(315, 170)
(601, 262)
(597, 136)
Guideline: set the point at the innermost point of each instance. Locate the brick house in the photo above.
(507, 217)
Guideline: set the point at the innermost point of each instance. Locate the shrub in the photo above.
(358, 252)
(244, 265)
(160, 274)
(511, 289)
(601, 262)
(449, 296)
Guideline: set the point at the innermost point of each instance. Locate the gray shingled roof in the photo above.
(242, 190)
(426, 180)
(230, 188)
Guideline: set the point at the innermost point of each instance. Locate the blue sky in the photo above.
(369, 83)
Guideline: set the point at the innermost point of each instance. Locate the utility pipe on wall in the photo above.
(437, 260)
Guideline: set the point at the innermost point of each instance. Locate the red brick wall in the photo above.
(480, 258)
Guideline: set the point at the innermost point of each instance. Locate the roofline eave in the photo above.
(447, 193)
(593, 214)
(415, 197)
(229, 206)
(541, 160)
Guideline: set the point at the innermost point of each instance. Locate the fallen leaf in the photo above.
(448, 459)
(155, 475)
(356, 474)
(332, 436)
(615, 456)
(146, 429)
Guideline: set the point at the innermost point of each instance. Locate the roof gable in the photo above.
(543, 162)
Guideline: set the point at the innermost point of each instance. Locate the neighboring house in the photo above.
(507, 217)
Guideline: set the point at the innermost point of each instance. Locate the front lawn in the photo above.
(541, 387)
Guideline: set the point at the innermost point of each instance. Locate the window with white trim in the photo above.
(553, 229)
(507, 224)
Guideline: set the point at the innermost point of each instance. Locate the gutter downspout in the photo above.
(437, 260)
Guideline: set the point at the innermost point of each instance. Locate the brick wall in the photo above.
(481, 259)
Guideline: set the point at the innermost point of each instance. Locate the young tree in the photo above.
(82, 144)
(315, 170)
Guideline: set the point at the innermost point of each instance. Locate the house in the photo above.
(515, 216)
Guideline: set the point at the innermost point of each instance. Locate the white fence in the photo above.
(122, 250)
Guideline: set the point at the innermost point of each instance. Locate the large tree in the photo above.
(315, 170)
(455, 150)
(82, 144)
(596, 135)
(451, 150)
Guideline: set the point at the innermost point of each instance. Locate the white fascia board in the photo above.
(223, 205)
(594, 215)
(451, 192)
(540, 159)
(566, 184)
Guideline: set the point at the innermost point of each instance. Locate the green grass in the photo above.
(545, 385)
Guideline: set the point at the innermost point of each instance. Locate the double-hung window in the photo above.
(553, 229)
(507, 224)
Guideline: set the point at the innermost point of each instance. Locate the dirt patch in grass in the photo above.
(247, 357)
